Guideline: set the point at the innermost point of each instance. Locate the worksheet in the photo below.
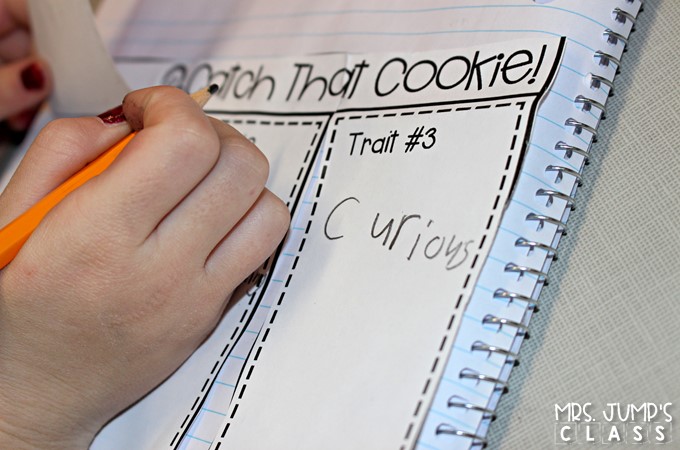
(397, 169)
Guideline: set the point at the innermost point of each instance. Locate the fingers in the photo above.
(170, 156)
(15, 45)
(23, 85)
(189, 187)
(62, 148)
(249, 243)
(13, 14)
(223, 197)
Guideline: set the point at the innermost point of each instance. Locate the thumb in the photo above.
(62, 148)
(23, 85)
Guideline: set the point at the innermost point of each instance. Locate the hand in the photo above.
(124, 278)
(24, 80)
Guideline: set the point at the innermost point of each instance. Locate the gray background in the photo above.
(609, 325)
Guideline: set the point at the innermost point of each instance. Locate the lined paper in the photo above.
(173, 30)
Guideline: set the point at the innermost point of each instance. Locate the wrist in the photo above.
(29, 420)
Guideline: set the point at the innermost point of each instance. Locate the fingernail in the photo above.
(33, 77)
(114, 115)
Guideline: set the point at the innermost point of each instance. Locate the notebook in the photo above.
(503, 296)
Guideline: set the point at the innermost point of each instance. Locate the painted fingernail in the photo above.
(33, 77)
(114, 115)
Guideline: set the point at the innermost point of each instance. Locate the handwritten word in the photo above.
(393, 232)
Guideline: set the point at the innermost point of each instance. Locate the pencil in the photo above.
(16, 233)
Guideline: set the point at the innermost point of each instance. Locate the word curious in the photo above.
(396, 234)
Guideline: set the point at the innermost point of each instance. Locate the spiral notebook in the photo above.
(196, 412)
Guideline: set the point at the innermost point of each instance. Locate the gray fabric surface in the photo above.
(609, 326)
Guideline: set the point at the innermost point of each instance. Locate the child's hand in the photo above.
(126, 277)
(24, 80)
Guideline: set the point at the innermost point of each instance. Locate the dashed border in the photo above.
(247, 312)
(319, 187)
(494, 208)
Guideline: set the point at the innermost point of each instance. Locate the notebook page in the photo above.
(359, 321)
(141, 30)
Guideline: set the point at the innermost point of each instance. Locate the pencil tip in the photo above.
(213, 88)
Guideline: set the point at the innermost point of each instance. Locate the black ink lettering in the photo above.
(538, 65)
(387, 229)
(436, 253)
(413, 249)
(464, 60)
(431, 134)
(354, 140)
(415, 244)
(404, 219)
(525, 58)
(203, 75)
(393, 136)
(297, 75)
(175, 76)
(328, 219)
(452, 251)
(258, 80)
(408, 74)
(361, 66)
(237, 83)
(495, 70)
(309, 81)
(476, 71)
(381, 93)
(345, 84)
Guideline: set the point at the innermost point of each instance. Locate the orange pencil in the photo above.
(15, 234)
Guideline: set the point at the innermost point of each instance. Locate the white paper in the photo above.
(150, 29)
(85, 79)
(374, 312)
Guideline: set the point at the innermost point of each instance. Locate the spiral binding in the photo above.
(622, 16)
(543, 219)
(552, 195)
(445, 428)
(597, 81)
(513, 296)
(569, 150)
(456, 401)
(606, 59)
(586, 104)
(614, 37)
(470, 374)
(510, 357)
(580, 126)
(561, 170)
(522, 329)
(542, 277)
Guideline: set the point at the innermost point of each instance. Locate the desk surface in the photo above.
(609, 326)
